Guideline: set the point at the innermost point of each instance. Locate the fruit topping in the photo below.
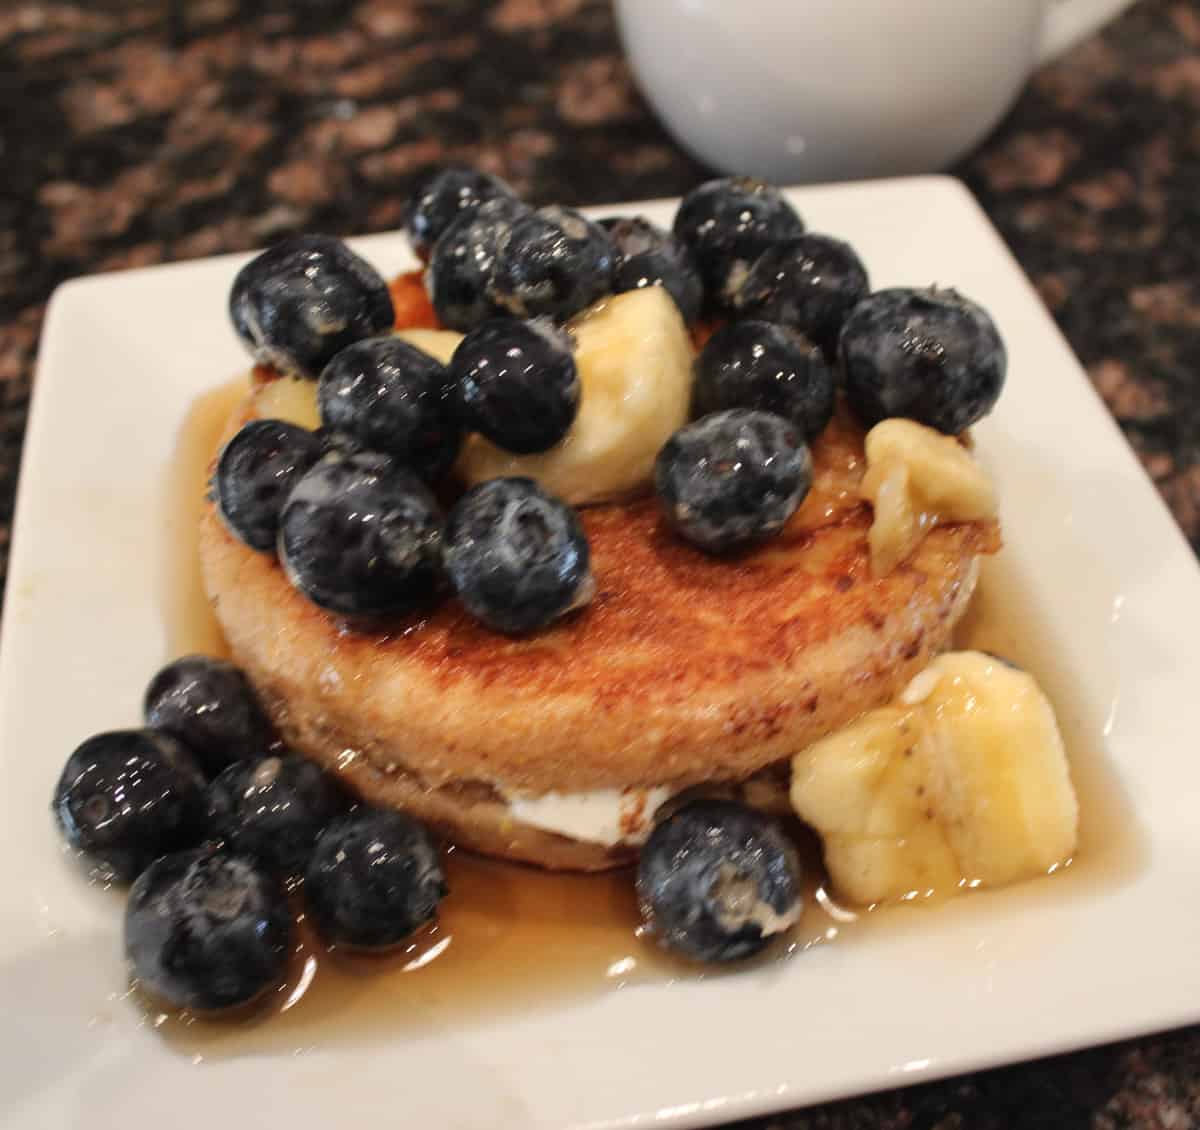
(761, 365)
(361, 536)
(931, 355)
(306, 298)
(127, 796)
(964, 781)
(555, 262)
(394, 399)
(463, 261)
(517, 556)
(717, 880)
(290, 399)
(809, 283)
(207, 930)
(728, 223)
(648, 256)
(516, 383)
(733, 478)
(255, 472)
(373, 879)
(209, 705)
(917, 478)
(635, 368)
(439, 344)
(272, 809)
(443, 197)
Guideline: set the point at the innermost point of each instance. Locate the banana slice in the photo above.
(439, 344)
(963, 782)
(916, 477)
(290, 399)
(635, 369)
(1008, 803)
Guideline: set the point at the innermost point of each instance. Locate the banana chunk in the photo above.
(963, 782)
(635, 368)
(439, 344)
(916, 477)
(288, 398)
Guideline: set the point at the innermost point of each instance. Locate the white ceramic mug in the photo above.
(809, 90)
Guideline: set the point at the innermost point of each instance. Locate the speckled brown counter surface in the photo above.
(130, 137)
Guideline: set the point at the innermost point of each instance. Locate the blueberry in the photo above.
(373, 878)
(716, 880)
(306, 298)
(517, 556)
(361, 536)
(463, 262)
(728, 223)
(732, 478)
(209, 705)
(207, 929)
(555, 263)
(442, 198)
(810, 284)
(395, 399)
(272, 809)
(648, 256)
(128, 796)
(764, 366)
(255, 472)
(931, 355)
(516, 383)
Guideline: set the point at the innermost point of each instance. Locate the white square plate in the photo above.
(1103, 599)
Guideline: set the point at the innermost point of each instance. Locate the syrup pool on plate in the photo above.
(510, 936)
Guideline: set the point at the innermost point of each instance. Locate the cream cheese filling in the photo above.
(602, 816)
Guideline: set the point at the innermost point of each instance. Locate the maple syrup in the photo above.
(510, 936)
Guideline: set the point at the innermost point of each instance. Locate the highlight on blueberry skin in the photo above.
(932, 355)
(732, 479)
(396, 399)
(761, 365)
(374, 878)
(361, 536)
(207, 930)
(305, 299)
(272, 809)
(463, 263)
(127, 796)
(517, 557)
(716, 881)
(516, 383)
(809, 284)
(646, 255)
(443, 197)
(728, 223)
(554, 263)
(255, 472)
(210, 706)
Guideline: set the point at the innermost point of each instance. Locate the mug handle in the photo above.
(1069, 21)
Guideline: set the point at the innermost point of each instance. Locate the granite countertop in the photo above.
(134, 134)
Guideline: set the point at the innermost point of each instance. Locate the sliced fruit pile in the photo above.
(963, 780)
(563, 375)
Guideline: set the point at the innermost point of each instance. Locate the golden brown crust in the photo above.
(684, 669)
